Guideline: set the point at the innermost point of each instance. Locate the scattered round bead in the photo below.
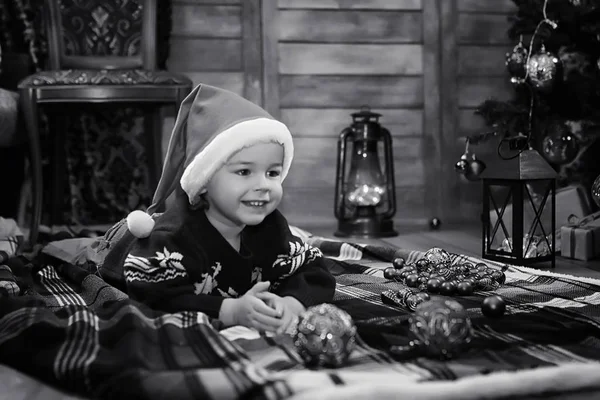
(435, 273)
(398, 263)
(493, 306)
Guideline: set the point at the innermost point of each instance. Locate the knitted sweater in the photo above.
(185, 264)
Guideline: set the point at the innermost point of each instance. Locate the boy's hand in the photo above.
(288, 307)
(250, 310)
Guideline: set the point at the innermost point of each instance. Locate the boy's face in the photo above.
(248, 187)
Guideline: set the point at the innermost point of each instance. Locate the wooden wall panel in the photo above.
(350, 59)
(350, 26)
(213, 55)
(481, 60)
(424, 64)
(476, 89)
(315, 122)
(315, 163)
(353, 4)
(481, 47)
(487, 29)
(206, 21)
(350, 91)
(486, 6)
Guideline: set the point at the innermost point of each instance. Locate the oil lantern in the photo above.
(519, 210)
(365, 199)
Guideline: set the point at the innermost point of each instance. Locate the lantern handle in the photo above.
(389, 172)
(341, 172)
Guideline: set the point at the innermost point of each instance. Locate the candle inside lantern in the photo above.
(366, 195)
(365, 186)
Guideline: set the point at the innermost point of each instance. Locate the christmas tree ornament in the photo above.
(324, 336)
(404, 298)
(474, 169)
(596, 191)
(493, 306)
(462, 164)
(440, 258)
(560, 146)
(433, 285)
(542, 70)
(435, 223)
(465, 288)
(391, 273)
(441, 327)
(447, 288)
(516, 61)
(398, 262)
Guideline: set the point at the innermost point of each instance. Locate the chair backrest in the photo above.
(101, 34)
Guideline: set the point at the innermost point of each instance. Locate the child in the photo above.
(222, 247)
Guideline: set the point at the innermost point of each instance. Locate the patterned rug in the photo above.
(87, 338)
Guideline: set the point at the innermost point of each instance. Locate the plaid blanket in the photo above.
(71, 330)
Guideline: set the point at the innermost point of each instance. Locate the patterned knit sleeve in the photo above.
(156, 273)
(298, 269)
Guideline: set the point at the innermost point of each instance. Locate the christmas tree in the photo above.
(555, 71)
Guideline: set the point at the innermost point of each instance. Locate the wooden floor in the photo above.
(459, 239)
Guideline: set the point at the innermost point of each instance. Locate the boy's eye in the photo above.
(274, 174)
(243, 172)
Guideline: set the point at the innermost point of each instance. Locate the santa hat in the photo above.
(212, 125)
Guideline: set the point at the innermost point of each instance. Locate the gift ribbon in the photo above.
(581, 224)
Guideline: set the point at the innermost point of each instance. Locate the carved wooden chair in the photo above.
(99, 51)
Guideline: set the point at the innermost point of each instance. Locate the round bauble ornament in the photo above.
(441, 327)
(542, 70)
(433, 285)
(324, 336)
(596, 190)
(474, 169)
(515, 61)
(462, 165)
(493, 306)
(440, 258)
(465, 288)
(398, 262)
(435, 223)
(391, 273)
(560, 147)
(412, 280)
(447, 288)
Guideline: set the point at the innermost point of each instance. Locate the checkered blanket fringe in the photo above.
(70, 329)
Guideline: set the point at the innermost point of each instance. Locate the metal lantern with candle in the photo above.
(519, 210)
(365, 199)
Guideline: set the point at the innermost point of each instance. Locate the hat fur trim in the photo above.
(241, 135)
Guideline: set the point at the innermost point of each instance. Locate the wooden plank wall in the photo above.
(481, 45)
(334, 57)
(313, 62)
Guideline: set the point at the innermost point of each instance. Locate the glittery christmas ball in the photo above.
(441, 327)
(543, 69)
(560, 146)
(515, 61)
(438, 257)
(325, 336)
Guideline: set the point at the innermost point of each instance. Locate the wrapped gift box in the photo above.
(572, 204)
(581, 241)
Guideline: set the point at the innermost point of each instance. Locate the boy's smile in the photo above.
(247, 188)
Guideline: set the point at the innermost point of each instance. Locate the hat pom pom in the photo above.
(140, 224)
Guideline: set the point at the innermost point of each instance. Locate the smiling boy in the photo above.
(222, 247)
